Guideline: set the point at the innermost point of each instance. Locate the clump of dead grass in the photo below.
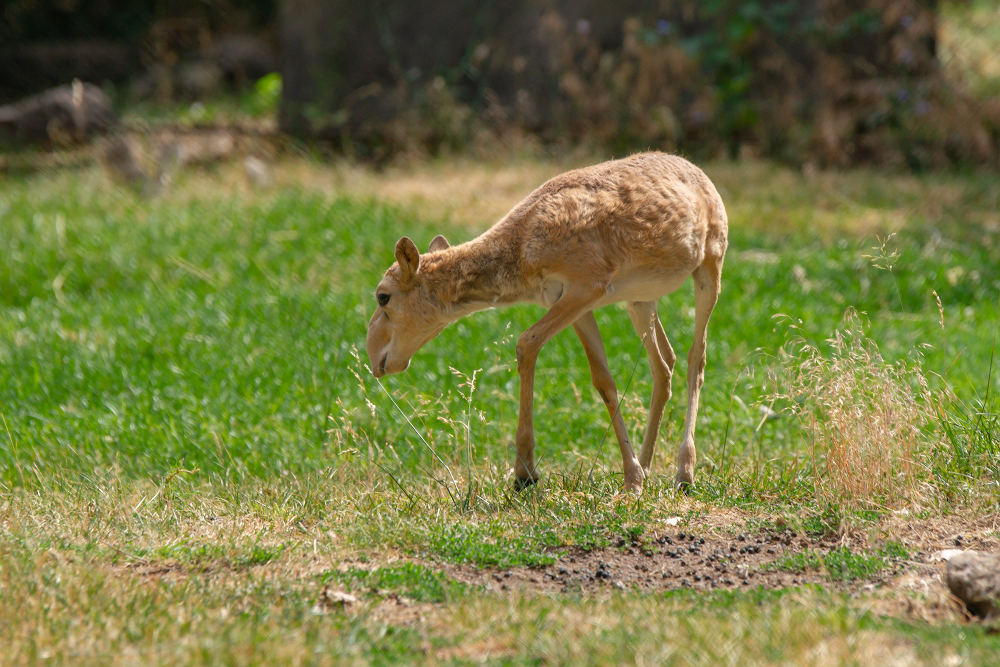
(867, 419)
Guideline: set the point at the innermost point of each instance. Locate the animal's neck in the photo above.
(473, 276)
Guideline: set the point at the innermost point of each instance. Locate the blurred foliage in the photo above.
(267, 92)
(53, 20)
(46, 43)
(832, 83)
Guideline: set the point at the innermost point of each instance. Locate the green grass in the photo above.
(220, 333)
(412, 580)
(91, 580)
(841, 564)
(184, 382)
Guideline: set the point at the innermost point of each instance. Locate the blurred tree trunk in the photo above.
(304, 29)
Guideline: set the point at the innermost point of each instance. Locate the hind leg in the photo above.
(707, 283)
(661, 364)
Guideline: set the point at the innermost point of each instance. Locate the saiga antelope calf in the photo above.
(628, 230)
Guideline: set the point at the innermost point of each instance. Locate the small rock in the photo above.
(329, 599)
(767, 413)
(974, 578)
(258, 173)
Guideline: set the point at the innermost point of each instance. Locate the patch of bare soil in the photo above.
(726, 550)
(693, 559)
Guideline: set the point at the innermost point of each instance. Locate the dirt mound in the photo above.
(682, 559)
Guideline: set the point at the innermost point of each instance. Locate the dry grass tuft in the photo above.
(866, 419)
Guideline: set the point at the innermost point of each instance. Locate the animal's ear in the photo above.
(439, 243)
(408, 258)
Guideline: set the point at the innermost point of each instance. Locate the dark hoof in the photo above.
(684, 488)
(522, 483)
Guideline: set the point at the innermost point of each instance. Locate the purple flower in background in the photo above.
(583, 27)
(903, 95)
(922, 107)
(663, 27)
(906, 21)
(906, 56)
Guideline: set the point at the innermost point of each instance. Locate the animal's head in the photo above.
(407, 315)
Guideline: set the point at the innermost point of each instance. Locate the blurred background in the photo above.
(908, 84)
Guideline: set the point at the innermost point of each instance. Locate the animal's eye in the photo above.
(383, 299)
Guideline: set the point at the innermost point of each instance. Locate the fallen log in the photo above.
(64, 115)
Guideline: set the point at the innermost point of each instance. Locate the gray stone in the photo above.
(974, 578)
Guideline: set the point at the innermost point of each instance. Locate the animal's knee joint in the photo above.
(523, 355)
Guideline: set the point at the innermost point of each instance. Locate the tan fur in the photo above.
(627, 230)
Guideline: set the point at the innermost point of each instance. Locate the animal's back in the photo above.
(650, 211)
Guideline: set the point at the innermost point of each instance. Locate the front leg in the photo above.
(524, 466)
(566, 310)
(590, 335)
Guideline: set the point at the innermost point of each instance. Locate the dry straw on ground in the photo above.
(865, 418)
